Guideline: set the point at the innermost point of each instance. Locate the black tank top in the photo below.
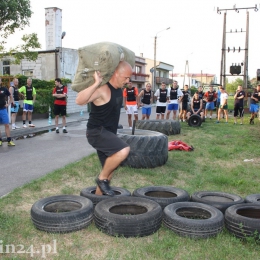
(15, 93)
(163, 95)
(147, 97)
(196, 103)
(29, 93)
(173, 93)
(130, 93)
(2, 97)
(185, 96)
(108, 114)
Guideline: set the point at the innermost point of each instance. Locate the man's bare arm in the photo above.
(91, 93)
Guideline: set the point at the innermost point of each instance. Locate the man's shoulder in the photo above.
(22, 88)
(104, 88)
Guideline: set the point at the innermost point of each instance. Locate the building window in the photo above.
(6, 67)
(28, 73)
(138, 69)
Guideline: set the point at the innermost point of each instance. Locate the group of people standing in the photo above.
(175, 100)
(12, 96)
(163, 97)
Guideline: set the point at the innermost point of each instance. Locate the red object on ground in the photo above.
(179, 145)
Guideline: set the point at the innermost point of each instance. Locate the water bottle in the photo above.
(49, 119)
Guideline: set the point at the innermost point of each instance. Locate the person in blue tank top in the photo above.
(145, 99)
(106, 102)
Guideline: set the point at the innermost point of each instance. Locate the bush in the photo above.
(44, 88)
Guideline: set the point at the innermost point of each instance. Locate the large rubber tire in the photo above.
(148, 149)
(243, 220)
(128, 216)
(167, 127)
(89, 193)
(164, 195)
(192, 219)
(62, 213)
(195, 120)
(219, 200)
(253, 198)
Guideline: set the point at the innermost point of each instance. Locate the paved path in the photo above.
(34, 157)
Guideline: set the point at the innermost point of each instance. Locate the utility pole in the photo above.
(246, 51)
(186, 66)
(224, 49)
(201, 78)
(154, 68)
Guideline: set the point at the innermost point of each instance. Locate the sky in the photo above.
(195, 33)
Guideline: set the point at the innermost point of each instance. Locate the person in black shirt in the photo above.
(145, 99)
(239, 105)
(14, 106)
(4, 119)
(254, 106)
(184, 101)
(106, 102)
(201, 95)
(195, 106)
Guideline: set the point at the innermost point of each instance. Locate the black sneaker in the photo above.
(251, 121)
(57, 131)
(65, 131)
(104, 186)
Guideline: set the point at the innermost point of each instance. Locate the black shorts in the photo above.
(238, 110)
(160, 110)
(218, 104)
(105, 142)
(184, 106)
(59, 110)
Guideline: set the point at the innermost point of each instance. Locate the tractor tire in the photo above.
(195, 120)
(167, 127)
(148, 149)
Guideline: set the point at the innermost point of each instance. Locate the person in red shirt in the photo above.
(130, 95)
(210, 98)
(60, 104)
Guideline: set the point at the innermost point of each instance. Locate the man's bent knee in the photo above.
(124, 152)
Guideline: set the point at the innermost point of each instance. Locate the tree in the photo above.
(232, 87)
(14, 15)
(253, 82)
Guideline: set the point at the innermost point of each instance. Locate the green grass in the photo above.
(217, 164)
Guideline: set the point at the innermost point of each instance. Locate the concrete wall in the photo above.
(69, 63)
(72, 107)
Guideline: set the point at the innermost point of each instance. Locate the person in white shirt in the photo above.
(162, 97)
(223, 104)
